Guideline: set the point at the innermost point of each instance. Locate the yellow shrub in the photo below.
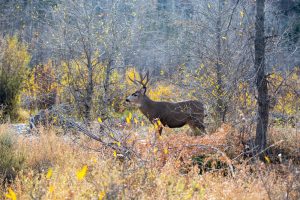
(283, 90)
(162, 92)
(23, 115)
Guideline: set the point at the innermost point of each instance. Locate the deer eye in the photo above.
(134, 95)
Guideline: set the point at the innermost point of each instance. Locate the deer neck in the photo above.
(146, 105)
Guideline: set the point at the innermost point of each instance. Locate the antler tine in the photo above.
(141, 76)
(147, 77)
(134, 80)
(142, 79)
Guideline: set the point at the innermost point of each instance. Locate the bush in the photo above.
(13, 67)
(10, 160)
(40, 88)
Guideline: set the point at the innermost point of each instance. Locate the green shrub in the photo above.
(207, 163)
(14, 60)
(11, 161)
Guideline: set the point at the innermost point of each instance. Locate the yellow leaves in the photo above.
(166, 150)
(142, 123)
(245, 98)
(128, 121)
(294, 76)
(162, 72)
(118, 143)
(155, 126)
(128, 118)
(287, 101)
(150, 129)
(115, 153)
(267, 159)
(161, 92)
(242, 14)
(248, 99)
(100, 120)
(130, 115)
(159, 122)
(11, 194)
(111, 135)
(115, 76)
(41, 81)
(135, 121)
(94, 160)
(15, 59)
(131, 73)
(54, 119)
(80, 174)
(49, 173)
(51, 189)
(101, 195)
(189, 194)
(202, 193)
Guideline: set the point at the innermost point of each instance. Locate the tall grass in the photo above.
(11, 159)
(58, 168)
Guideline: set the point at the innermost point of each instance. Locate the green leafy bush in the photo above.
(13, 67)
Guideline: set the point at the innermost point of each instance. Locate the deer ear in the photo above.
(143, 90)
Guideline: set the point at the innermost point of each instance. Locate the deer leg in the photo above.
(160, 130)
(198, 122)
(198, 129)
(202, 129)
(200, 126)
(159, 126)
(194, 129)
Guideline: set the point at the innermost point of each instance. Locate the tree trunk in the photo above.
(261, 81)
(106, 96)
(220, 107)
(88, 104)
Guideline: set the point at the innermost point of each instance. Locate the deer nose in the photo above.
(127, 100)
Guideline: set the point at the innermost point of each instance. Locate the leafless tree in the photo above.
(75, 37)
(90, 36)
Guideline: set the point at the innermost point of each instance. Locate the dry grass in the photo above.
(55, 169)
(289, 138)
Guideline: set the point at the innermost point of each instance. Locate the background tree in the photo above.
(90, 39)
(209, 44)
(40, 90)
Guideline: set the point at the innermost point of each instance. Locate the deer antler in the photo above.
(134, 80)
(142, 78)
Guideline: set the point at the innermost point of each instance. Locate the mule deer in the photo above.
(173, 115)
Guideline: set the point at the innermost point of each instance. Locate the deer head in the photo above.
(138, 96)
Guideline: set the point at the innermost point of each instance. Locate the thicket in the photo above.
(11, 160)
(14, 59)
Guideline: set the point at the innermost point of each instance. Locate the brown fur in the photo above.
(173, 115)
